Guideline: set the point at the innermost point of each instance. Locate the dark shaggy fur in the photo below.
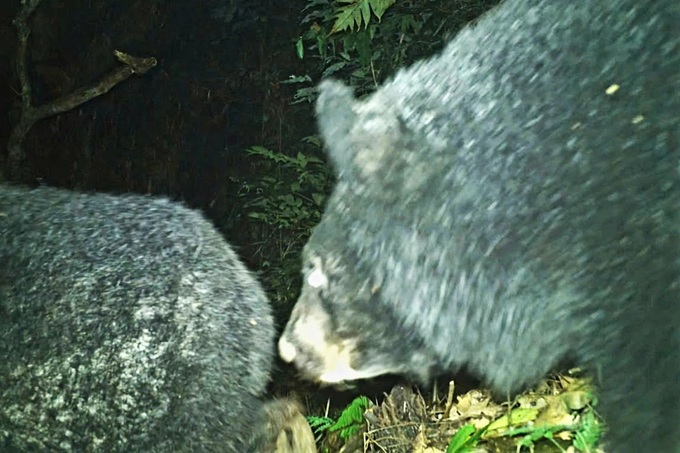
(508, 204)
(127, 324)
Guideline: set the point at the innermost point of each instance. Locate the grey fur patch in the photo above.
(126, 324)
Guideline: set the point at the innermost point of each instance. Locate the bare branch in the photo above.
(30, 114)
(135, 65)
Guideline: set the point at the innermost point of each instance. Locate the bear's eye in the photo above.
(317, 278)
(314, 273)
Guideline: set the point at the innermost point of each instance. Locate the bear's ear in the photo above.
(336, 116)
(358, 135)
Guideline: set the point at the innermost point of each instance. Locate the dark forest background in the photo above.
(224, 120)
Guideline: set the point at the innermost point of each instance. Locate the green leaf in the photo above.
(463, 441)
(351, 418)
(318, 198)
(589, 432)
(301, 160)
(515, 417)
(348, 17)
(319, 424)
(315, 140)
(296, 79)
(300, 48)
(365, 11)
(380, 6)
(257, 215)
